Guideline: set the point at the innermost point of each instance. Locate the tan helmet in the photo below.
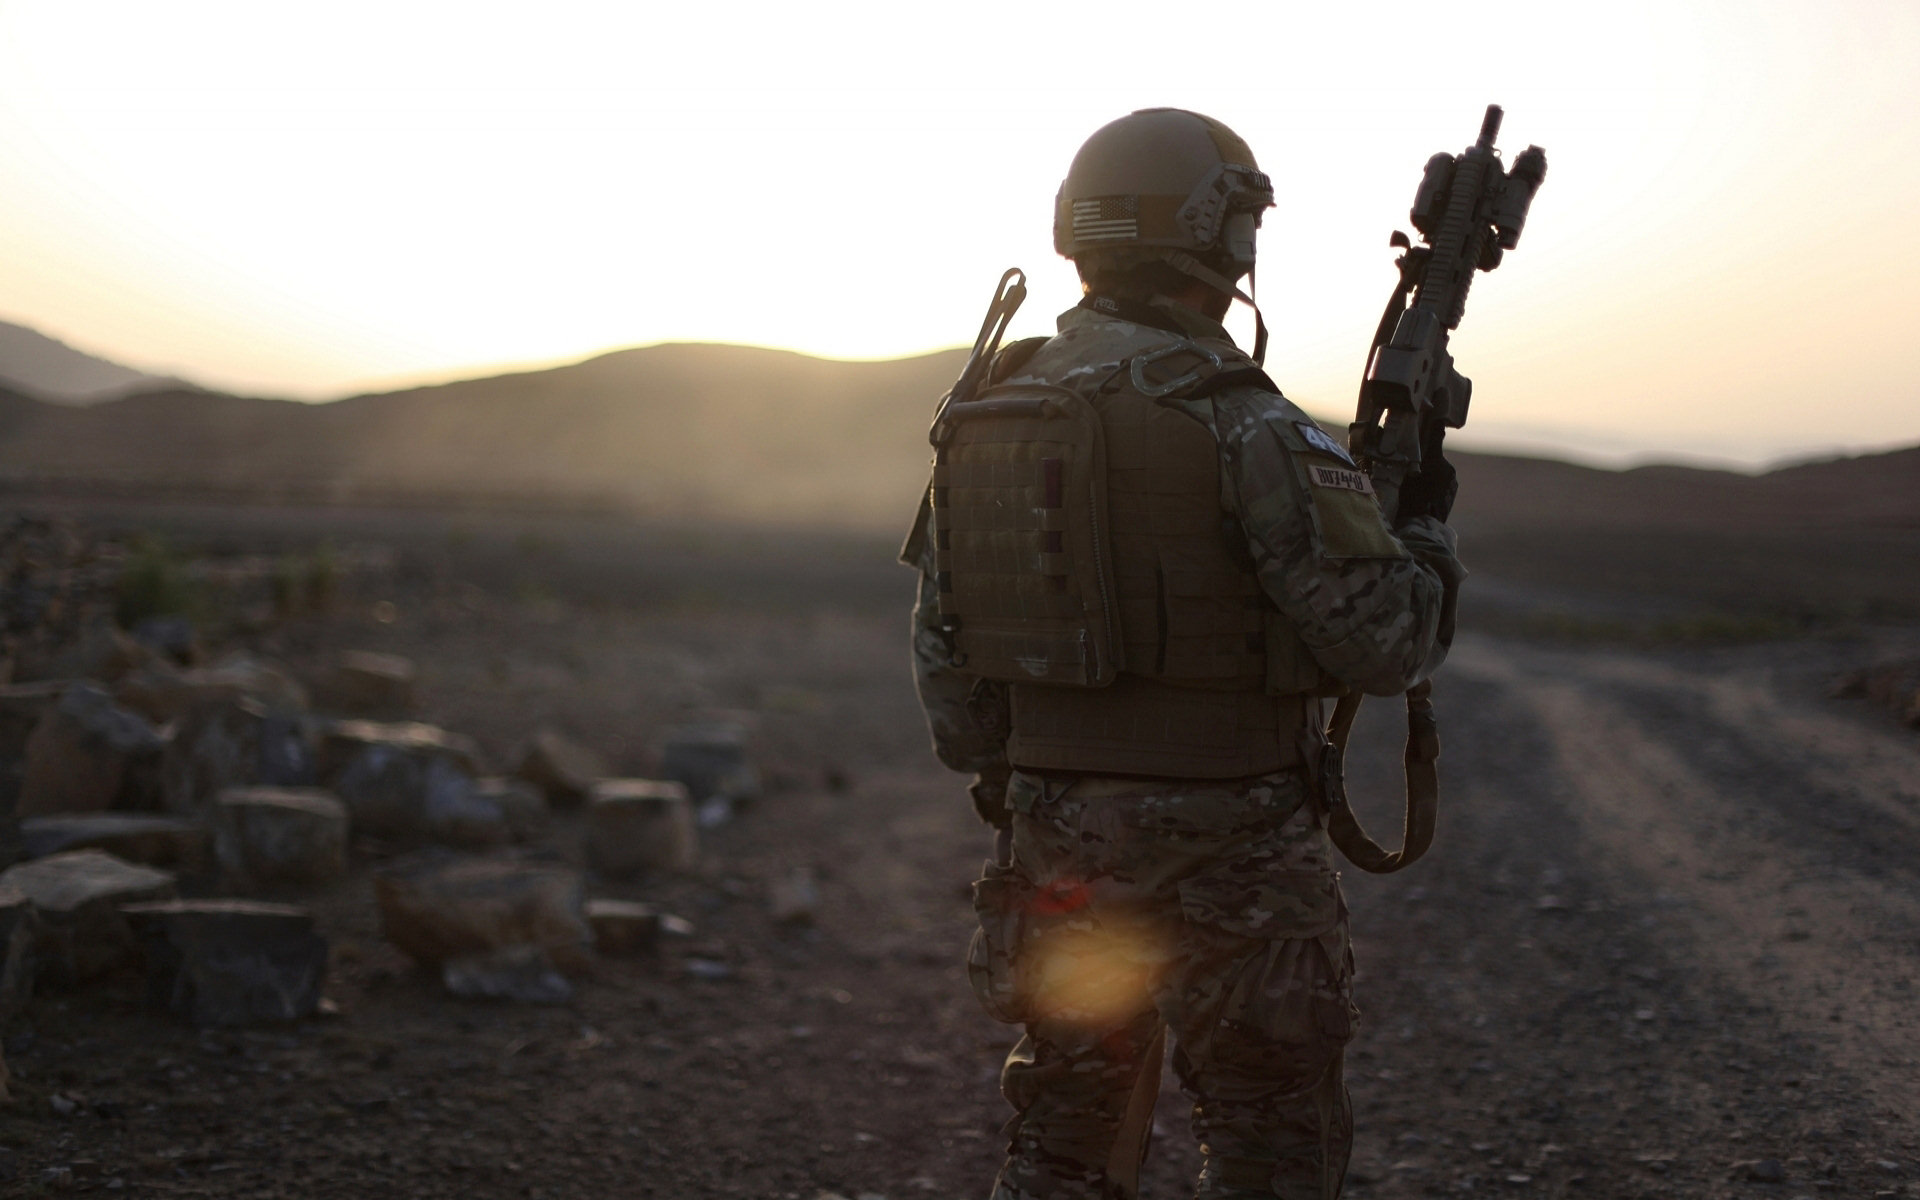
(1169, 180)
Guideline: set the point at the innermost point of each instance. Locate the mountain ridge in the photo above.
(748, 434)
(36, 364)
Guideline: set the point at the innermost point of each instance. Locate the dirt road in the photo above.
(1665, 947)
(1670, 930)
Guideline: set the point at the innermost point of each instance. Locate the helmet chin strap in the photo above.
(1188, 265)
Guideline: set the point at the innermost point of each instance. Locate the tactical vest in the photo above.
(1083, 556)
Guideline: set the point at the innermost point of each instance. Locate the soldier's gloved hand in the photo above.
(1430, 491)
(989, 794)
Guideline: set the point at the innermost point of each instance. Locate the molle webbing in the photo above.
(1191, 612)
(1141, 726)
(1019, 513)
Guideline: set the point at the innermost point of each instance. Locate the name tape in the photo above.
(1340, 477)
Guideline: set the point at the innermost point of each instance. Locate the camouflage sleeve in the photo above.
(1374, 608)
(967, 716)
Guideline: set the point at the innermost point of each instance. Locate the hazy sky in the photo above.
(313, 199)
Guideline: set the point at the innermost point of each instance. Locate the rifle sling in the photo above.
(1423, 785)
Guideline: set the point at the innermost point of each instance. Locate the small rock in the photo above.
(1886, 1166)
(63, 1105)
(636, 825)
(1550, 904)
(161, 692)
(398, 781)
(87, 754)
(77, 896)
(231, 962)
(711, 759)
(708, 968)
(794, 898)
(266, 836)
(1765, 1170)
(366, 684)
(522, 973)
(623, 927)
(438, 906)
(154, 841)
(60, 1179)
(673, 926)
(234, 743)
(170, 637)
(559, 767)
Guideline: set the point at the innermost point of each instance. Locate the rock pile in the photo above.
(136, 768)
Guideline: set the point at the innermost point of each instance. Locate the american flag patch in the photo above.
(1109, 218)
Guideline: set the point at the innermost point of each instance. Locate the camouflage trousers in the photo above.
(1130, 910)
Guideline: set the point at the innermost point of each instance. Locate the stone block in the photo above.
(78, 896)
(365, 684)
(19, 931)
(230, 962)
(267, 836)
(407, 782)
(87, 754)
(637, 825)
(229, 743)
(162, 692)
(439, 906)
(144, 838)
(485, 814)
(560, 767)
(623, 927)
(712, 760)
(21, 707)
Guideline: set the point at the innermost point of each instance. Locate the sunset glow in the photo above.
(315, 200)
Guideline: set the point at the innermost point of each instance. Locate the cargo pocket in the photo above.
(1269, 984)
(1001, 900)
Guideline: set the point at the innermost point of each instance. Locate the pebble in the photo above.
(1767, 1170)
(707, 968)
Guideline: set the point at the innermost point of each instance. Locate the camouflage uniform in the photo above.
(1207, 908)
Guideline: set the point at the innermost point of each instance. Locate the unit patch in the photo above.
(1319, 440)
(1346, 478)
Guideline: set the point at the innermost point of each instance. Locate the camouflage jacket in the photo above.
(1376, 617)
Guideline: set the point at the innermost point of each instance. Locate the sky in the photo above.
(310, 201)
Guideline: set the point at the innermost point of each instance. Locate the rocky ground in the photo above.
(1665, 945)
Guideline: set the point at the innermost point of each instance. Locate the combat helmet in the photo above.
(1166, 184)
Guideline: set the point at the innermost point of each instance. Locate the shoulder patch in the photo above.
(1320, 440)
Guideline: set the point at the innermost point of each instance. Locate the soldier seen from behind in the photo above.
(1143, 572)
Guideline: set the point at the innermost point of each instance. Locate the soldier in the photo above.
(1141, 570)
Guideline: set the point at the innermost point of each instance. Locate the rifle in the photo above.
(1469, 211)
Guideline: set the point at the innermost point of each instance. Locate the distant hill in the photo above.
(765, 436)
(727, 432)
(37, 365)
